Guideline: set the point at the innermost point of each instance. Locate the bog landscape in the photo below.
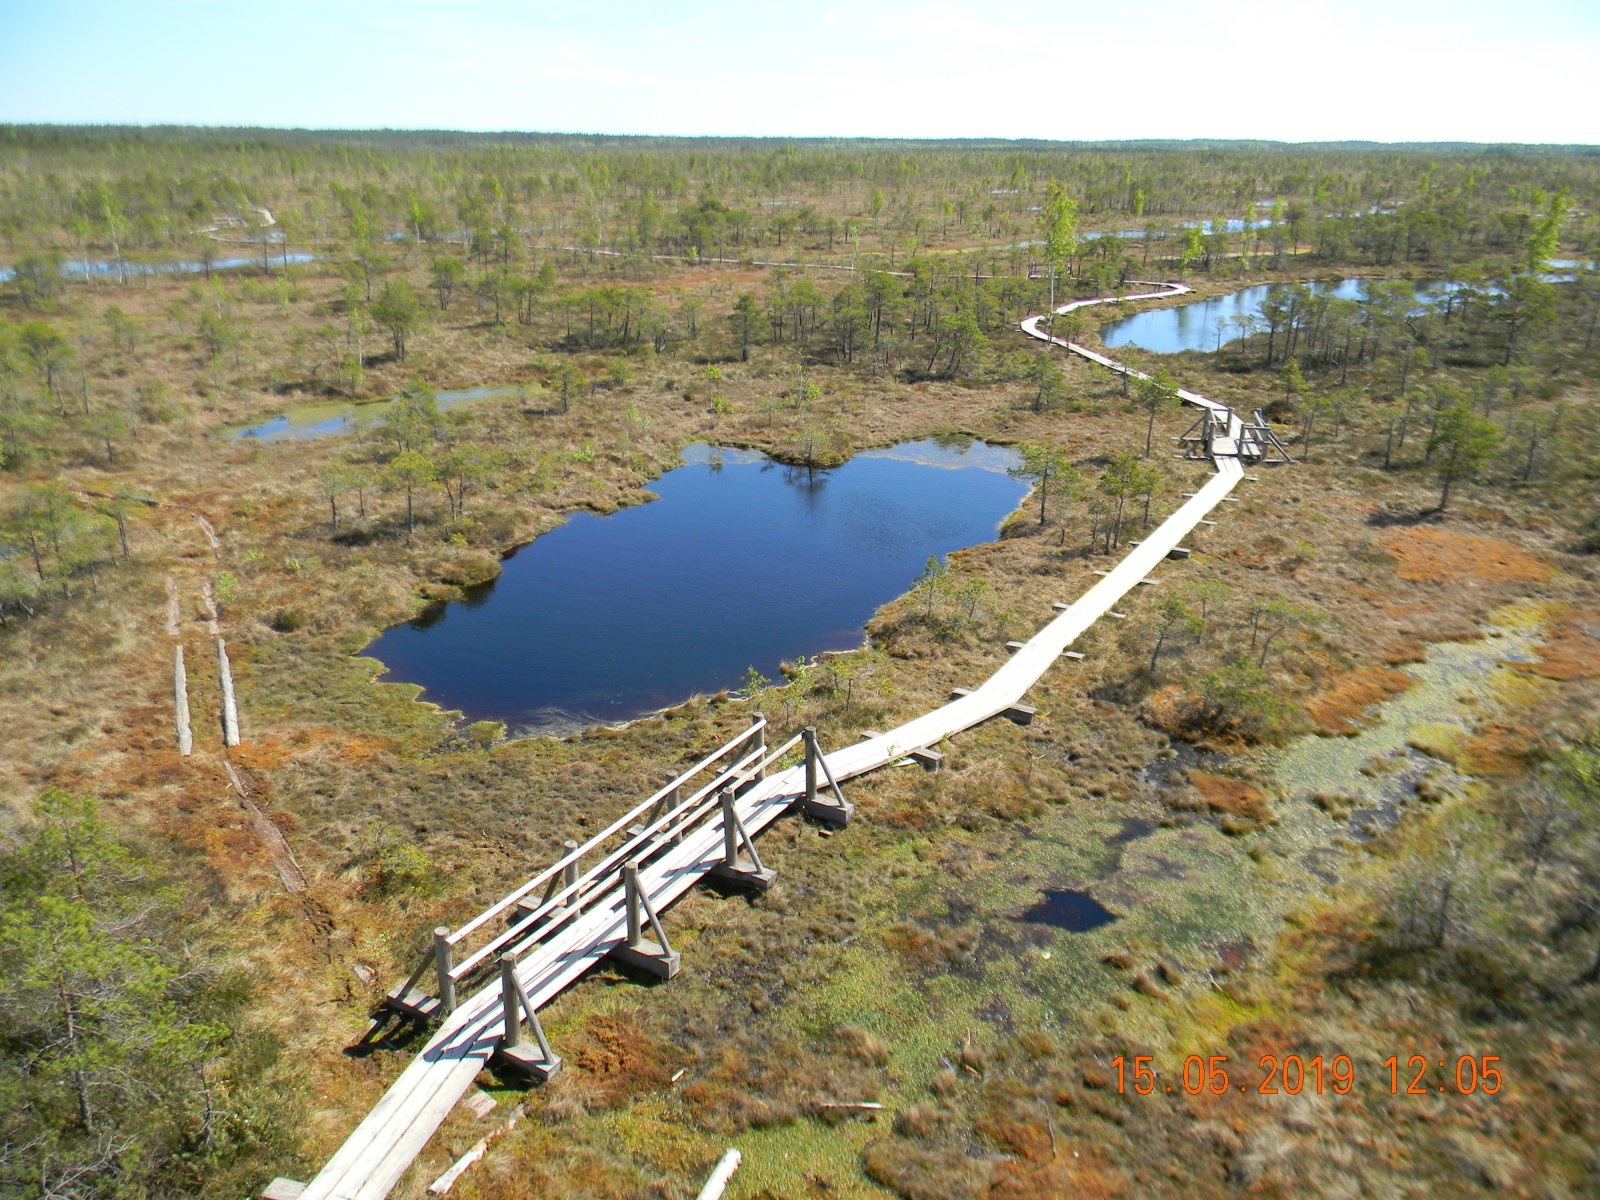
(578, 666)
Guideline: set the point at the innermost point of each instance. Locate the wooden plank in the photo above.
(717, 1182)
(180, 701)
(414, 1003)
(230, 709)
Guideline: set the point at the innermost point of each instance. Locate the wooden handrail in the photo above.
(678, 817)
(621, 822)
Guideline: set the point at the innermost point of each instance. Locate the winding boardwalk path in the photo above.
(672, 858)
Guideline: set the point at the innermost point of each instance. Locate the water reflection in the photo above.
(748, 564)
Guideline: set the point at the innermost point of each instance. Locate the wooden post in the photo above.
(510, 1002)
(230, 711)
(809, 735)
(735, 866)
(511, 1051)
(569, 874)
(656, 957)
(675, 798)
(757, 741)
(833, 813)
(730, 830)
(442, 966)
(630, 883)
(180, 699)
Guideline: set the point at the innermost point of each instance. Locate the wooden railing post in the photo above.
(730, 829)
(740, 863)
(511, 1003)
(758, 741)
(442, 966)
(809, 733)
(516, 1003)
(657, 956)
(630, 886)
(835, 812)
(569, 875)
(673, 799)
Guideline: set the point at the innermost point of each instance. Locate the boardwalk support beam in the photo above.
(656, 957)
(513, 1052)
(407, 1000)
(1020, 714)
(836, 811)
(735, 866)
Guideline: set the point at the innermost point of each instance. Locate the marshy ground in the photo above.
(1218, 889)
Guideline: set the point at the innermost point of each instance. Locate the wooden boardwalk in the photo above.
(546, 934)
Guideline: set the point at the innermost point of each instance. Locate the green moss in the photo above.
(486, 733)
(1438, 739)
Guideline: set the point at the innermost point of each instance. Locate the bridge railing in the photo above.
(707, 805)
(568, 887)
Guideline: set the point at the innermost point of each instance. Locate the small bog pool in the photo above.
(1076, 912)
(741, 562)
(308, 422)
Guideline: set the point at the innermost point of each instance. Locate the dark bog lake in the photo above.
(740, 562)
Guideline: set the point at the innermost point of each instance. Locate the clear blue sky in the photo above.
(1302, 70)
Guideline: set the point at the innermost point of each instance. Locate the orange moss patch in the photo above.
(273, 750)
(1339, 709)
(1033, 1180)
(616, 1059)
(1404, 650)
(1499, 750)
(1231, 797)
(1166, 707)
(1425, 555)
(1571, 650)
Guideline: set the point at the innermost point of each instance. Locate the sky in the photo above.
(1288, 70)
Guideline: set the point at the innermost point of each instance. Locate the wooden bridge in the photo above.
(605, 898)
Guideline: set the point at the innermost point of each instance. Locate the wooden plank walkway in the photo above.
(678, 839)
